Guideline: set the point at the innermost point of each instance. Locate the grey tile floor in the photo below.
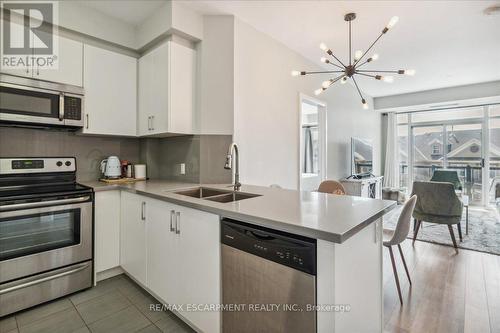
(115, 305)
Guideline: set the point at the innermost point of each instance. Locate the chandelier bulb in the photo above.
(365, 105)
(358, 54)
(392, 22)
(295, 73)
(374, 57)
(388, 79)
(318, 91)
(344, 80)
(323, 46)
(326, 84)
(409, 72)
(326, 61)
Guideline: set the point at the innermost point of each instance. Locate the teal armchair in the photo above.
(437, 203)
(447, 176)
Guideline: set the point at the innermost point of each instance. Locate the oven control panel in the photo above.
(37, 165)
(27, 164)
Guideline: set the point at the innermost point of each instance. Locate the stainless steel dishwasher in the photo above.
(268, 280)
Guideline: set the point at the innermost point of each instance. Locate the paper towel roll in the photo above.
(140, 171)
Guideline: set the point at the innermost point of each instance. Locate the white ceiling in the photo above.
(448, 43)
(128, 11)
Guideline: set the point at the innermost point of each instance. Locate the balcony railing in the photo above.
(470, 175)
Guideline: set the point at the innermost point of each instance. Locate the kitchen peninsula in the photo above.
(161, 222)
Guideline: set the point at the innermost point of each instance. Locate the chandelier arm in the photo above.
(375, 71)
(331, 63)
(323, 72)
(357, 88)
(373, 76)
(362, 64)
(364, 53)
(333, 81)
(336, 79)
(334, 57)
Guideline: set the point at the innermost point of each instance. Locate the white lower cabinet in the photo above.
(107, 230)
(133, 236)
(161, 251)
(175, 252)
(198, 254)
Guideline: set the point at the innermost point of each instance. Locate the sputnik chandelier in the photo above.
(352, 69)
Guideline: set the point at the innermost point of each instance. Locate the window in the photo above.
(436, 149)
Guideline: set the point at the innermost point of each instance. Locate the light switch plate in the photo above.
(182, 168)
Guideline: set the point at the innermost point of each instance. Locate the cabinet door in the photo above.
(133, 236)
(110, 81)
(70, 64)
(107, 230)
(153, 91)
(145, 96)
(162, 250)
(199, 268)
(18, 70)
(182, 71)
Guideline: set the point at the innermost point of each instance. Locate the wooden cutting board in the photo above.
(120, 180)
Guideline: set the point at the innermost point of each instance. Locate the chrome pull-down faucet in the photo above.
(233, 148)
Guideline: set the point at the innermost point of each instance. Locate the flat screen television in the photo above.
(361, 157)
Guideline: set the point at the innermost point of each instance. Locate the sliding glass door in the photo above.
(428, 151)
(454, 145)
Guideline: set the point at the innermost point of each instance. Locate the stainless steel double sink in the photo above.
(217, 195)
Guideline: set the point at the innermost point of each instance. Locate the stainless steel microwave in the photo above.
(33, 102)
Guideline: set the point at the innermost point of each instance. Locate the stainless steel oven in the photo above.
(43, 235)
(28, 101)
(46, 233)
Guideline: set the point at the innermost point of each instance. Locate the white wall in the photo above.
(216, 68)
(266, 115)
(89, 21)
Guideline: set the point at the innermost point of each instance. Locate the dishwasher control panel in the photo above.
(287, 249)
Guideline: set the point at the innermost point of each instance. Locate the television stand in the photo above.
(367, 187)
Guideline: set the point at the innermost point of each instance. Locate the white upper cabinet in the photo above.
(110, 82)
(166, 90)
(69, 67)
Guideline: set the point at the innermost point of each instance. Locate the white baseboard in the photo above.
(108, 273)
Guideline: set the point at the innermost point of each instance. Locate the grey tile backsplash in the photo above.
(89, 151)
(203, 155)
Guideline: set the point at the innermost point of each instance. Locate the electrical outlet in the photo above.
(182, 168)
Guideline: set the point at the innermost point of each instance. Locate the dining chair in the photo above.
(397, 236)
(437, 203)
(331, 187)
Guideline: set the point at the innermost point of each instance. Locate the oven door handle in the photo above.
(81, 267)
(43, 203)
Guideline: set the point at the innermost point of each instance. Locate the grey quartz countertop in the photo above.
(329, 217)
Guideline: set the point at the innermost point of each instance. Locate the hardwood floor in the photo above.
(450, 292)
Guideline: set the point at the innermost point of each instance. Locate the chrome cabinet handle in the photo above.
(178, 223)
(172, 216)
(61, 107)
(143, 211)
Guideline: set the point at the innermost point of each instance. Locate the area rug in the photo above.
(484, 230)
